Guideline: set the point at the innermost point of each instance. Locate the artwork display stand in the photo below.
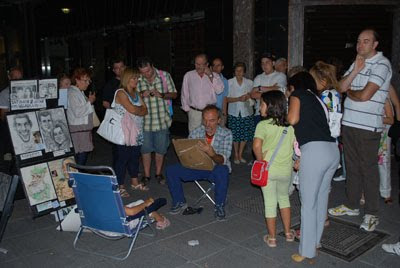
(8, 187)
(42, 145)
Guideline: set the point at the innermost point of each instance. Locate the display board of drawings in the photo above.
(42, 144)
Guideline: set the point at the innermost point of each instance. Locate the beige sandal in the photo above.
(270, 241)
(139, 187)
(290, 236)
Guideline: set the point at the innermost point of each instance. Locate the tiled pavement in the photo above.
(236, 242)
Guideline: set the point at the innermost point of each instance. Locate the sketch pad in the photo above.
(191, 156)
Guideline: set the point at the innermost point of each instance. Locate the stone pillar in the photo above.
(243, 34)
(296, 33)
(396, 49)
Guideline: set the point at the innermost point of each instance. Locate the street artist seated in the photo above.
(217, 145)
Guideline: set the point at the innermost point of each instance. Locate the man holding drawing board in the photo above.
(216, 143)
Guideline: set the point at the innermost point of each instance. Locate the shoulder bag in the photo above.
(259, 171)
(111, 128)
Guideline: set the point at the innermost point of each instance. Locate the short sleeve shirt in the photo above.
(270, 134)
(313, 124)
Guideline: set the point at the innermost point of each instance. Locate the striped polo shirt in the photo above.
(368, 114)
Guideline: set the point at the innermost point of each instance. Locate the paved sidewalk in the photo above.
(236, 242)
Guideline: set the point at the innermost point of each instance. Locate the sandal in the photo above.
(139, 187)
(123, 192)
(290, 236)
(164, 224)
(298, 258)
(145, 180)
(389, 201)
(270, 241)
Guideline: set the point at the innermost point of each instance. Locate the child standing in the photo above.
(273, 108)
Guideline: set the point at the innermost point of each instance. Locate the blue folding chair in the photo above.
(100, 207)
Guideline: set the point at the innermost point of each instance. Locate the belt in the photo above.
(199, 110)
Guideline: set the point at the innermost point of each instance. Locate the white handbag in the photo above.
(111, 128)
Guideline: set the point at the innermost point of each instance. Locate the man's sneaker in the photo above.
(343, 210)
(369, 223)
(392, 248)
(219, 212)
(339, 178)
(178, 208)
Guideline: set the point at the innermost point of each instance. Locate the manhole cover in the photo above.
(346, 240)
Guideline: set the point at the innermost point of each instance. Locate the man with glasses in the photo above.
(199, 89)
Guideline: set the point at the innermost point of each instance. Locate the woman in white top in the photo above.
(80, 115)
(240, 111)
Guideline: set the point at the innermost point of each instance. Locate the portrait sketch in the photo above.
(59, 175)
(54, 129)
(24, 95)
(38, 185)
(25, 134)
(48, 89)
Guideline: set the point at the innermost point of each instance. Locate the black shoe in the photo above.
(145, 180)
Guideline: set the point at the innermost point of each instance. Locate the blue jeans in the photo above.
(177, 173)
(126, 157)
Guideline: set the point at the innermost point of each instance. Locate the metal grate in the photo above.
(346, 240)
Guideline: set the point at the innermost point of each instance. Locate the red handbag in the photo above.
(259, 173)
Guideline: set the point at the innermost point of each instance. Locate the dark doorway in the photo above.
(330, 32)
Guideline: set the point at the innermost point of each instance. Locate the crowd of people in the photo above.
(292, 115)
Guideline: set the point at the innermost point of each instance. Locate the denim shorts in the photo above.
(155, 141)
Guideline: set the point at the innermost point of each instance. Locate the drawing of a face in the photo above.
(23, 127)
(46, 122)
(51, 89)
(19, 92)
(59, 136)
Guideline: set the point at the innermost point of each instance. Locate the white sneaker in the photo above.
(369, 223)
(392, 248)
(339, 178)
(343, 210)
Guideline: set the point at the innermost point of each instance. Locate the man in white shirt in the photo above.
(266, 81)
(366, 84)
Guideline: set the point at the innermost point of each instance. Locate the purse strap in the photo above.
(277, 147)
